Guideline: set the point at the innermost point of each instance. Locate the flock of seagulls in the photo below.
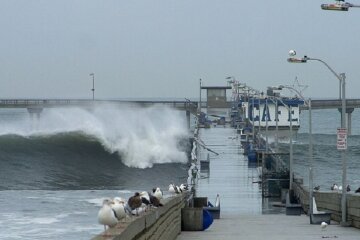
(178, 189)
(335, 187)
(115, 210)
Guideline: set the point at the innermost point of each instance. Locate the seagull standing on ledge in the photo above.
(174, 189)
(158, 193)
(335, 187)
(119, 207)
(135, 202)
(107, 215)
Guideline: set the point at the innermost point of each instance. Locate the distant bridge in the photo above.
(51, 103)
(333, 104)
(178, 104)
(36, 106)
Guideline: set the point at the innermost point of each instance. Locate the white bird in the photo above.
(106, 215)
(172, 188)
(323, 225)
(184, 187)
(145, 195)
(340, 188)
(217, 201)
(158, 193)
(145, 198)
(335, 187)
(119, 207)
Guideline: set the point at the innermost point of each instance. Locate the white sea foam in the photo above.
(141, 136)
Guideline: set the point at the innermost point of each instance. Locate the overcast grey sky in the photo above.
(161, 48)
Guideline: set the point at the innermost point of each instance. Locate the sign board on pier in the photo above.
(341, 139)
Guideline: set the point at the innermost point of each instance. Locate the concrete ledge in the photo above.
(331, 201)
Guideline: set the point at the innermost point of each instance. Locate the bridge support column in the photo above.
(349, 111)
(34, 111)
(188, 118)
(348, 118)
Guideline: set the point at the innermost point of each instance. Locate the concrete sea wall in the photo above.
(162, 223)
(331, 201)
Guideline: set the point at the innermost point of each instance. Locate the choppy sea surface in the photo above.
(326, 158)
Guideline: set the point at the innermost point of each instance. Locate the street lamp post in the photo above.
(267, 125)
(308, 103)
(93, 85)
(290, 141)
(341, 78)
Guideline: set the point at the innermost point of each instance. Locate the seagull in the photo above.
(145, 198)
(217, 200)
(158, 193)
(154, 201)
(317, 188)
(174, 189)
(335, 187)
(340, 188)
(184, 187)
(357, 190)
(323, 225)
(107, 215)
(135, 202)
(118, 206)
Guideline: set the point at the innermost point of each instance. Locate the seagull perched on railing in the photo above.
(134, 203)
(184, 187)
(158, 193)
(118, 206)
(334, 187)
(174, 189)
(107, 215)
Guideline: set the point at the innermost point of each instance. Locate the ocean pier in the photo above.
(244, 213)
(253, 192)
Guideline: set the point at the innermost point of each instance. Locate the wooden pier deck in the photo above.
(270, 227)
(244, 214)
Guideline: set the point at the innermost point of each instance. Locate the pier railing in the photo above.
(331, 201)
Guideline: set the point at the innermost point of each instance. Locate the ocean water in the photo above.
(56, 170)
(326, 158)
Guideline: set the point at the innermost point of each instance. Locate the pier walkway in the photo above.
(244, 215)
